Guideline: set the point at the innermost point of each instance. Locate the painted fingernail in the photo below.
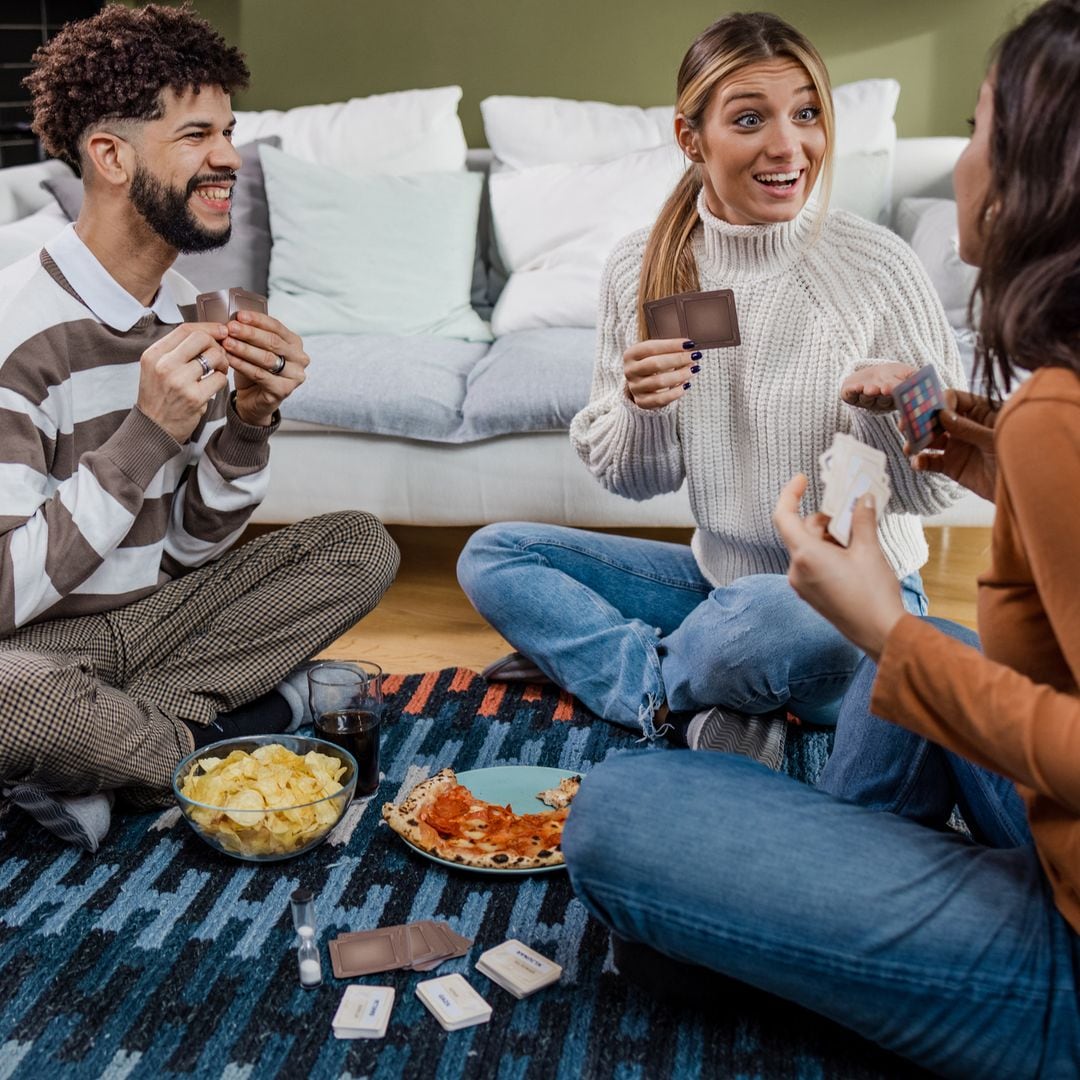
(695, 356)
(688, 344)
(695, 369)
(686, 386)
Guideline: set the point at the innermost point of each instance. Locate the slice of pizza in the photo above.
(442, 817)
(562, 795)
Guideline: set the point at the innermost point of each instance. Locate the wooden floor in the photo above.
(425, 623)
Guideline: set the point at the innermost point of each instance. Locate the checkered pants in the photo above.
(98, 701)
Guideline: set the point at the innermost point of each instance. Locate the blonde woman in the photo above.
(708, 640)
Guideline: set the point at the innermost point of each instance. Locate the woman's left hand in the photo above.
(853, 587)
(871, 387)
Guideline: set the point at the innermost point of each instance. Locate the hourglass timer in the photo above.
(307, 954)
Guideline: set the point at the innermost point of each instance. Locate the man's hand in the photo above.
(871, 387)
(174, 389)
(268, 362)
(965, 450)
(659, 372)
(853, 587)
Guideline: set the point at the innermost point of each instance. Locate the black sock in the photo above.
(268, 715)
(675, 727)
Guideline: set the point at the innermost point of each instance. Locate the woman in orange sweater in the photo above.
(854, 898)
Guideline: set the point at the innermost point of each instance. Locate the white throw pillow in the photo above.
(372, 254)
(572, 177)
(406, 132)
(524, 131)
(929, 226)
(29, 234)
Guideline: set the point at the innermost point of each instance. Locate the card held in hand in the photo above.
(849, 470)
(920, 398)
(708, 319)
(222, 304)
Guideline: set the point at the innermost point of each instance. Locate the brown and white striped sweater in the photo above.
(98, 504)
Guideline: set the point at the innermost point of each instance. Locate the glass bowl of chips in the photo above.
(266, 797)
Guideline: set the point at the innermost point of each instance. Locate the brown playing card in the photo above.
(369, 951)
(222, 304)
(708, 319)
(242, 300)
(213, 306)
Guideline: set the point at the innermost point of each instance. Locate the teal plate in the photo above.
(517, 785)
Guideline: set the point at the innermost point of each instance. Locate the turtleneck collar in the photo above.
(729, 253)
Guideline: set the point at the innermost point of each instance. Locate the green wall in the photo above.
(625, 51)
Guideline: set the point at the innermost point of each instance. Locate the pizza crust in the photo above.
(560, 797)
(406, 820)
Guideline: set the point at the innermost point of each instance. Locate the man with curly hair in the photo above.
(130, 633)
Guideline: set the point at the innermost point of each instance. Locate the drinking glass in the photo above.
(347, 704)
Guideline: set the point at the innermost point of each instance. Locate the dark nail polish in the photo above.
(695, 356)
(695, 369)
(688, 344)
(686, 386)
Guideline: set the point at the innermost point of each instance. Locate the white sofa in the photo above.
(458, 476)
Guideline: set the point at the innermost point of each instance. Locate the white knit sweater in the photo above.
(812, 309)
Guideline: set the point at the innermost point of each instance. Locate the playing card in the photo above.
(850, 469)
(708, 319)
(662, 319)
(213, 306)
(222, 304)
(369, 951)
(242, 300)
(920, 398)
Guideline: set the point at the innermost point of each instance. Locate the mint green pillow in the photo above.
(372, 254)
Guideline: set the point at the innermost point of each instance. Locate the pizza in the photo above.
(443, 818)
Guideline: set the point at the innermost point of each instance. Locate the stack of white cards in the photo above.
(364, 1012)
(453, 1002)
(849, 470)
(517, 968)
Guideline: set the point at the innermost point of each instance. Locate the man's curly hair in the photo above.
(116, 64)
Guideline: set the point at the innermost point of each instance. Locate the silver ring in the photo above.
(207, 370)
(279, 367)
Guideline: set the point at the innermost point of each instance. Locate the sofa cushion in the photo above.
(21, 238)
(572, 177)
(408, 131)
(372, 254)
(244, 261)
(532, 380)
(386, 384)
(930, 227)
(441, 390)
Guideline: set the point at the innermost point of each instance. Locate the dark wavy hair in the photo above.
(1029, 283)
(115, 65)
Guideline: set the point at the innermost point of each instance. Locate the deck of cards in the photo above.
(706, 318)
(849, 470)
(418, 946)
(517, 968)
(920, 398)
(222, 305)
(453, 1002)
(364, 1012)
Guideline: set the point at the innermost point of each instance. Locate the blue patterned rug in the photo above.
(160, 958)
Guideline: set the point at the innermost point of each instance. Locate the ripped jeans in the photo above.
(626, 624)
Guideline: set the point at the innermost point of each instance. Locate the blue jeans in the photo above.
(946, 950)
(626, 624)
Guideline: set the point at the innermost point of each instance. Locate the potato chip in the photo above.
(265, 802)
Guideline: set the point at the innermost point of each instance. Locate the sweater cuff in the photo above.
(139, 448)
(899, 662)
(244, 445)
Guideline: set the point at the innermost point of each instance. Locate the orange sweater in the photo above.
(1015, 710)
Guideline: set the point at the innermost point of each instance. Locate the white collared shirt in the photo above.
(101, 292)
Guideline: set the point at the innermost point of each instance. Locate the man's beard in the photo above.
(165, 209)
